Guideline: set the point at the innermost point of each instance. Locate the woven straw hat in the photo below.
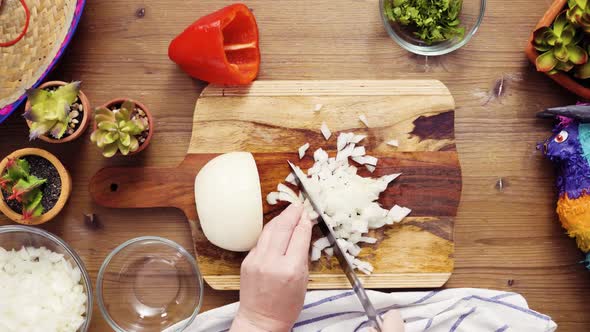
(26, 63)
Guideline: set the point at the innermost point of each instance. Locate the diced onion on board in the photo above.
(349, 201)
(302, 150)
(325, 131)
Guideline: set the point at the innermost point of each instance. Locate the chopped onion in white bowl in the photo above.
(349, 201)
(40, 291)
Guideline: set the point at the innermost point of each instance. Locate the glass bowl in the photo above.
(15, 237)
(149, 284)
(471, 16)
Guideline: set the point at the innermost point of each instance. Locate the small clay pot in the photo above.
(85, 115)
(148, 139)
(563, 79)
(66, 187)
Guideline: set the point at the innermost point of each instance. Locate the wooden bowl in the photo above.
(85, 115)
(561, 78)
(147, 113)
(66, 187)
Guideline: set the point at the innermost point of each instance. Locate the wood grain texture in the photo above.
(506, 237)
(417, 254)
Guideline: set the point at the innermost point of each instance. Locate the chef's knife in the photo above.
(327, 230)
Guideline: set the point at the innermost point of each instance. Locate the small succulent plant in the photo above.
(117, 129)
(23, 187)
(50, 109)
(559, 47)
(578, 14)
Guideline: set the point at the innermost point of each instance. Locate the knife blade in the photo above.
(327, 230)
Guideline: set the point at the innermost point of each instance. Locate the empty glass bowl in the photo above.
(471, 16)
(15, 237)
(149, 284)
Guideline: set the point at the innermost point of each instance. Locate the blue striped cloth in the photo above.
(450, 310)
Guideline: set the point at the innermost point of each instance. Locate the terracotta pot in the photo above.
(83, 124)
(148, 139)
(561, 78)
(66, 187)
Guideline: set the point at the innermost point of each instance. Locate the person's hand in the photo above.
(274, 275)
(392, 322)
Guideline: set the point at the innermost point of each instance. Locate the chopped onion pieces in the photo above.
(272, 198)
(322, 243)
(364, 120)
(348, 201)
(393, 142)
(357, 138)
(291, 179)
(325, 131)
(40, 290)
(302, 150)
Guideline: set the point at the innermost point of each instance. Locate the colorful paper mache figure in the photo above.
(569, 149)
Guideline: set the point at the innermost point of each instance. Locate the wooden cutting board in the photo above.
(272, 119)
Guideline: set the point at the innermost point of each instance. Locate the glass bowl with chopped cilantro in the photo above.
(432, 27)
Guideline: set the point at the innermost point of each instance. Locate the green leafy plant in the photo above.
(50, 109)
(23, 187)
(559, 47)
(433, 21)
(117, 130)
(578, 14)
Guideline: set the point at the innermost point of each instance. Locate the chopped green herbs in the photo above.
(431, 20)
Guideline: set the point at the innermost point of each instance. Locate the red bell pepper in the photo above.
(220, 48)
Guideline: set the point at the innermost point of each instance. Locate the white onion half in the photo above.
(229, 201)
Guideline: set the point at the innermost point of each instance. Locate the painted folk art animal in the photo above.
(569, 149)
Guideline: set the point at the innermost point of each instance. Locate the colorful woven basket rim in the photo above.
(6, 111)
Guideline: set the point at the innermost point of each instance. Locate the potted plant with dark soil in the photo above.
(57, 112)
(560, 44)
(35, 186)
(122, 126)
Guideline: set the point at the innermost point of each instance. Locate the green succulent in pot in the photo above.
(578, 14)
(116, 129)
(559, 47)
(49, 113)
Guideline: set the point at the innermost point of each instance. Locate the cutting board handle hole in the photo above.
(114, 187)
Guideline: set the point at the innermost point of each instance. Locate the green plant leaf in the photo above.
(568, 34)
(561, 53)
(37, 96)
(40, 128)
(583, 71)
(559, 24)
(123, 115)
(68, 93)
(124, 149)
(108, 126)
(134, 127)
(546, 62)
(58, 130)
(109, 150)
(94, 136)
(125, 139)
(564, 66)
(577, 55)
(33, 201)
(103, 114)
(134, 145)
(111, 137)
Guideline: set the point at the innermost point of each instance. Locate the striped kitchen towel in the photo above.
(449, 310)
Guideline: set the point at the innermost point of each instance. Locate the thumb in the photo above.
(392, 322)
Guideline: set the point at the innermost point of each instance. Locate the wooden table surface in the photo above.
(507, 236)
